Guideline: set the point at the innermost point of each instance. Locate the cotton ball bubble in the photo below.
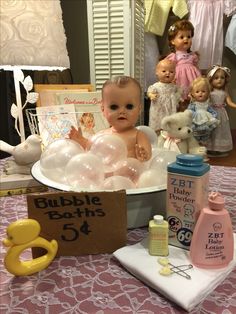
(111, 149)
(163, 159)
(55, 157)
(151, 177)
(118, 183)
(151, 134)
(85, 171)
(130, 168)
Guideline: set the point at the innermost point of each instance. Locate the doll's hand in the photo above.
(77, 136)
(153, 96)
(198, 54)
(141, 153)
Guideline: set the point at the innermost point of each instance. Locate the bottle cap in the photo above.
(216, 201)
(158, 219)
(189, 160)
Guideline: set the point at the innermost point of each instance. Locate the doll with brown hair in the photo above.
(204, 116)
(180, 36)
(221, 139)
(164, 94)
(121, 105)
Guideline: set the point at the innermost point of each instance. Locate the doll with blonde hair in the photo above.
(204, 116)
(87, 123)
(180, 36)
(164, 94)
(221, 139)
(121, 105)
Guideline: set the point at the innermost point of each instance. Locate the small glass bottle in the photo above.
(212, 244)
(158, 236)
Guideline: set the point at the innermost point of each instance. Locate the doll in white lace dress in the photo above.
(221, 139)
(164, 94)
(204, 116)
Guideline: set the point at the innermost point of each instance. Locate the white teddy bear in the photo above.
(177, 134)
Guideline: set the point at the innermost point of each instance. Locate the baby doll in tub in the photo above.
(121, 104)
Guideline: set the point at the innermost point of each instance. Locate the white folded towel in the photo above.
(136, 259)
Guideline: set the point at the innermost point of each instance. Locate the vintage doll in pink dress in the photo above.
(121, 105)
(164, 94)
(221, 139)
(180, 40)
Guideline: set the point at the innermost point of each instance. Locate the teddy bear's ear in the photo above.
(166, 122)
(188, 113)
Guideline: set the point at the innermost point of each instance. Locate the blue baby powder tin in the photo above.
(187, 193)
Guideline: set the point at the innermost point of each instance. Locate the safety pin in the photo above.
(170, 268)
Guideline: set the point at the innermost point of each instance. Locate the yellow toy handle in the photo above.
(23, 234)
(23, 268)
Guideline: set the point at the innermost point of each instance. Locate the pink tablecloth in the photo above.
(98, 283)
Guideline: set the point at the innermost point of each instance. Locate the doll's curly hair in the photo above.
(181, 25)
(198, 82)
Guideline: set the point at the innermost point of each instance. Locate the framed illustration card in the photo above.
(88, 110)
(47, 92)
(55, 122)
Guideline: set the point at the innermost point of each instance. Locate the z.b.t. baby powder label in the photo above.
(186, 195)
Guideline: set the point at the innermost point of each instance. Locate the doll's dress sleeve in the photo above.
(152, 88)
(171, 56)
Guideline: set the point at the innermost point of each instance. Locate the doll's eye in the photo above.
(114, 107)
(130, 106)
(179, 129)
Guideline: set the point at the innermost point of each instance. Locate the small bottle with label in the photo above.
(212, 243)
(187, 193)
(158, 236)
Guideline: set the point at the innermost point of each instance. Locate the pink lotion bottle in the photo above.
(212, 244)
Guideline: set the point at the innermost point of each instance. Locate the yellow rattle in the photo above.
(21, 235)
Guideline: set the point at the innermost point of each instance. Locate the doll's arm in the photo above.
(143, 149)
(77, 136)
(230, 102)
(152, 96)
(212, 111)
(192, 108)
(152, 92)
(196, 58)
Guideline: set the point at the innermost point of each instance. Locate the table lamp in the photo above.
(32, 37)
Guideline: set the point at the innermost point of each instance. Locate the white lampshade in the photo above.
(32, 37)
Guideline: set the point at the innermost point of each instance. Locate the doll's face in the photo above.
(88, 121)
(121, 106)
(200, 92)
(218, 79)
(183, 40)
(165, 71)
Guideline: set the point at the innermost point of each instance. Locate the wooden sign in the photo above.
(82, 223)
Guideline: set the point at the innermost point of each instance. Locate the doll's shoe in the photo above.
(217, 154)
